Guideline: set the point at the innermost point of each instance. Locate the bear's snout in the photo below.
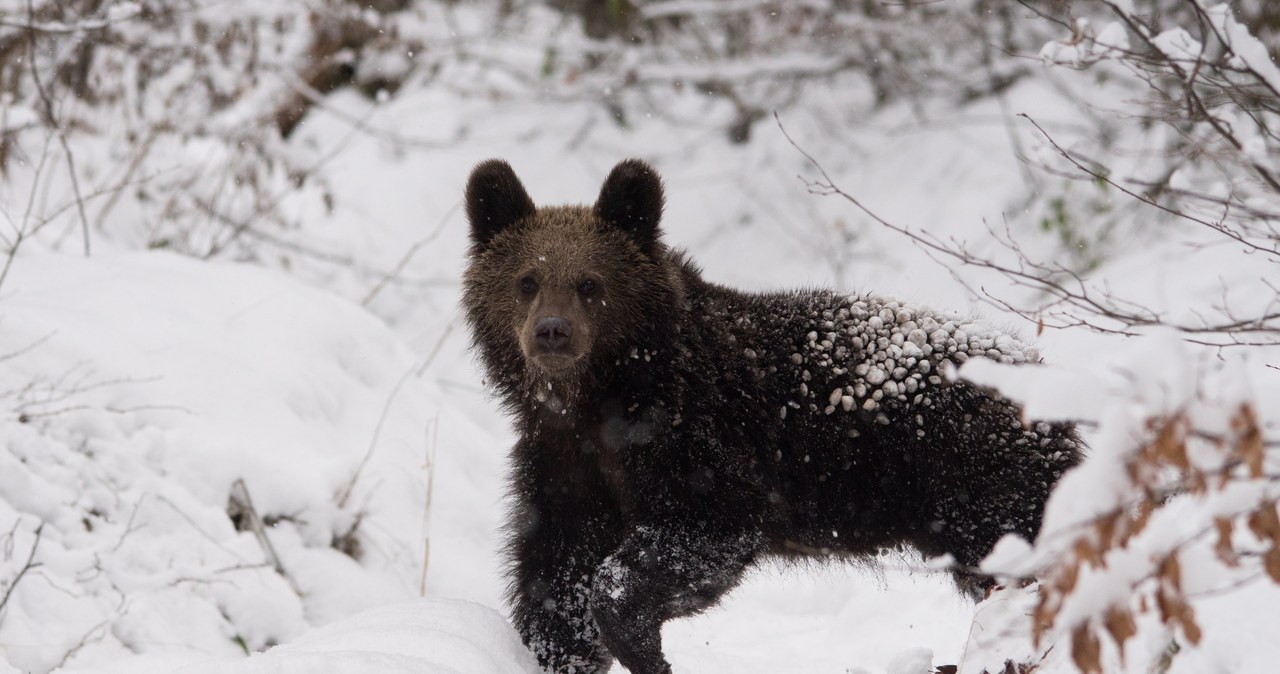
(552, 333)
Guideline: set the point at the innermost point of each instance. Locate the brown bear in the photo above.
(673, 431)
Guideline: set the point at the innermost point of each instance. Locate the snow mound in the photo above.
(418, 637)
(140, 394)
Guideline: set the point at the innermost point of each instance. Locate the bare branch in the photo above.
(1074, 303)
(241, 501)
(27, 566)
(58, 128)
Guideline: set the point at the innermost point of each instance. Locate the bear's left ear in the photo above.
(495, 199)
(631, 200)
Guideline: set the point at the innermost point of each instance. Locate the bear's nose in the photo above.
(552, 332)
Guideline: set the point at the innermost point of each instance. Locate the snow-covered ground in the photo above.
(145, 395)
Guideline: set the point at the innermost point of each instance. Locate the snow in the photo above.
(137, 388)
(1087, 45)
(1249, 52)
(911, 661)
(896, 360)
(152, 383)
(1178, 45)
(427, 636)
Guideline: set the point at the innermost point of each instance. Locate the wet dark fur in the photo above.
(654, 462)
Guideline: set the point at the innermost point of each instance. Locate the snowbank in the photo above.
(137, 391)
(415, 637)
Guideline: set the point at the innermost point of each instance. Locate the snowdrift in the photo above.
(150, 395)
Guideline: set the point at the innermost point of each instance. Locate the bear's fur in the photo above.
(673, 431)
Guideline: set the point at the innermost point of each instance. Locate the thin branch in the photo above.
(57, 126)
(60, 28)
(240, 497)
(408, 255)
(416, 370)
(29, 347)
(1098, 175)
(29, 565)
(1067, 289)
(345, 494)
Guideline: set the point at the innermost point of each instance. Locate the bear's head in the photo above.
(564, 286)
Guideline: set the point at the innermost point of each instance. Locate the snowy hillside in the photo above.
(245, 434)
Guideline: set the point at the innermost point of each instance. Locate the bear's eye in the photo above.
(528, 285)
(587, 287)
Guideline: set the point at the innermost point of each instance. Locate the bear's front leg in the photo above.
(553, 559)
(660, 573)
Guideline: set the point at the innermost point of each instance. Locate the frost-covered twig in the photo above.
(435, 350)
(50, 397)
(1218, 226)
(408, 255)
(345, 494)
(1074, 301)
(415, 371)
(243, 503)
(104, 22)
(31, 346)
(95, 633)
(57, 126)
(22, 230)
(429, 465)
(203, 534)
(27, 566)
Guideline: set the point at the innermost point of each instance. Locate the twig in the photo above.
(435, 350)
(164, 499)
(240, 498)
(408, 255)
(29, 347)
(21, 229)
(1098, 175)
(345, 495)
(59, 28)
(57, 126)
(84, 641)
(29, 565)
(430, 466)
(1067, 289)
(416, 370)
(128, 526)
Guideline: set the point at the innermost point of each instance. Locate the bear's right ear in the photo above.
(495, 200)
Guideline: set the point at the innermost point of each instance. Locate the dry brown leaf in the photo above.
(1249, 442)
(1139, 521)
(1042, 618)
(1185, 616)
(1120, 626)
(1065, 582)
(1196, 482)
(1271, 562)
(1176, 611)
(1106, 527)
(1170, 444)
(1086, 551)
(1224, 548)
(1171, 572)
(1085, 649)
(1165, 605)
(1131, 469)
(1265, 524)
